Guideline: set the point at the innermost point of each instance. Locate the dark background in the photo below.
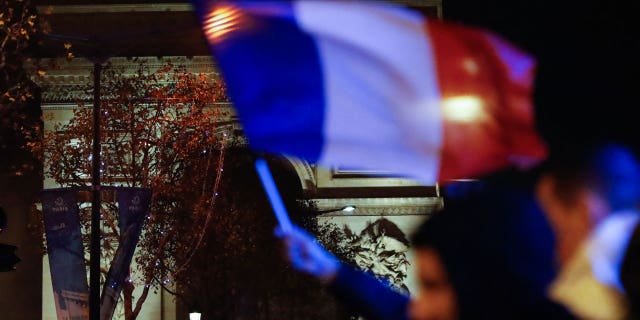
(588, 62)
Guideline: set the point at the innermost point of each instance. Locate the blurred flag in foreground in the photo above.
(373, 86)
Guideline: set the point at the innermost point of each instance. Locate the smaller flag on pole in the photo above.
(66, 253)
(133, 207)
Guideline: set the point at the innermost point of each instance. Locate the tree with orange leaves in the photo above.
(161, 130)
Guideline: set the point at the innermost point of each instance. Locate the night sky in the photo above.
(588, 54)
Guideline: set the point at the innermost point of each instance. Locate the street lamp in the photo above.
(349, 208)
(97, 54)
(346, 209)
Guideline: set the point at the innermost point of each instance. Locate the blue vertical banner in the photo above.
(66, 253)
(133, 207)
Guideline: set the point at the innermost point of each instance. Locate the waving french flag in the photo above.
(374, 86)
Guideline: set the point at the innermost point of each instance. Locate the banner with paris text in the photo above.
(66, 253)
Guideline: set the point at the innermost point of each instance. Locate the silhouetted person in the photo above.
(490, 252)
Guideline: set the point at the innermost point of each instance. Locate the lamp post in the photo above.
(94, 267)
(96, 53)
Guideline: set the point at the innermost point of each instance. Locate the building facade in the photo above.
(378, 204)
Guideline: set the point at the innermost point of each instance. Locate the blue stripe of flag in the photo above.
(274, 78)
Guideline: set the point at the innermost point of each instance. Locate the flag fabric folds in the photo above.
(374, 86)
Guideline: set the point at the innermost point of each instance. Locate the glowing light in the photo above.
(219, 22)
(349, 209)
(463, 109)
(471, 66)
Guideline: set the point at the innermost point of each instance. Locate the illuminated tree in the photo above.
(209, 237)
(160, 129)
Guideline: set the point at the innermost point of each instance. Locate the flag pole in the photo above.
(274, 196)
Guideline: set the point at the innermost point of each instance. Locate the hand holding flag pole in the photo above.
(303, 251)
(274, 196)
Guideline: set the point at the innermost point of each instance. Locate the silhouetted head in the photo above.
(489, 252)
(582, 185)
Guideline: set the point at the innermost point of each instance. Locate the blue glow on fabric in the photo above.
(282, 106)
(621, 172)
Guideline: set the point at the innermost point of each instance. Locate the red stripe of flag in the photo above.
(486, 88)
